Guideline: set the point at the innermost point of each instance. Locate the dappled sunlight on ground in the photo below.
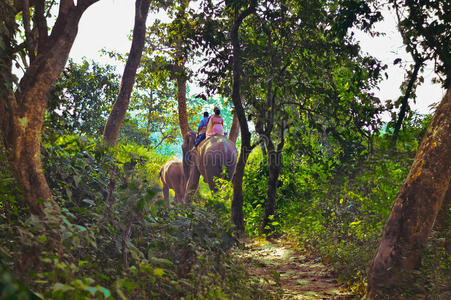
(286, 274)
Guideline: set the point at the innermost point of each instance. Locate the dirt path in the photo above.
(286, 274)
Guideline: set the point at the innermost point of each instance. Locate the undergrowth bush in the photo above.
(336, 207)
(122, 242)
(255, 181)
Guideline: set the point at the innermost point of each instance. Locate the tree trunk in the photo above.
(237, 201)
(405, 100)
(22, 112)
(181, 99)
(120, 106)
(180, 76)
(274, 166)
(234, 129)
(443, 220)
(271, 191)
(237, 181)
(416, 207)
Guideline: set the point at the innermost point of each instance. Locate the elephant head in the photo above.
(172, 177)
(209, 159)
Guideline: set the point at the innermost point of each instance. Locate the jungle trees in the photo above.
(81, 99)
(119, 109)
(301, 72)
(425, 31)
(23, 102)
(426, 35)
(416, 207)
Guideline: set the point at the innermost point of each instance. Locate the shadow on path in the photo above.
(285, 274)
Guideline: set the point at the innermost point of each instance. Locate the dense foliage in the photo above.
(324, 170)
(336, 208)
(133, 247)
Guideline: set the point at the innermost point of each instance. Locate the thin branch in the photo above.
(161, 141)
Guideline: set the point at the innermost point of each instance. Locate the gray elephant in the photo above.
(208, 159)
(172, 177)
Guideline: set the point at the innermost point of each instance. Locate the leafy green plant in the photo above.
(131, 247)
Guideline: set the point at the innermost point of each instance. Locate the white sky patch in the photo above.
(389, 47)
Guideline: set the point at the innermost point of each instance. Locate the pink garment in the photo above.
(215, 126)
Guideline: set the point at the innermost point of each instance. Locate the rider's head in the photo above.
(217, 111)
(205, 114)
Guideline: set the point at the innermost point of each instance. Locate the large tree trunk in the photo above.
(120, 106)
(22, 112)
(443, 220)
(416, 207)
(234, 129)
(237, 200)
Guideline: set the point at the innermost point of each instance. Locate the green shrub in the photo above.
(133, 247)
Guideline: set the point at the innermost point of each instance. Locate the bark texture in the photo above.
(274, 168)
(22, 111)
(120, 106)
(234, 129)
(237, 200)
(416, 207)
(181, 99)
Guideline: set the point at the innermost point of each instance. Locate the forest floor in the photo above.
(284, 273)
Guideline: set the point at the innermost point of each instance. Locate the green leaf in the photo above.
(91, 290)
(161, 261)
(60, 287)
(104, 291)
(158, 272)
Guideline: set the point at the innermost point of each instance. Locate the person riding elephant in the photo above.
(202, 129)
(208, 159)
(215, 124)
(172, 177)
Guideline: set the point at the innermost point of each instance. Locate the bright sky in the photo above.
(107, 23)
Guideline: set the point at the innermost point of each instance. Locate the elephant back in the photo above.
(171, 172)
(217, 152)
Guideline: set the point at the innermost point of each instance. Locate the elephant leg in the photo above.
(212, 174)
(165, 192)
(179, 196)
(192, 184)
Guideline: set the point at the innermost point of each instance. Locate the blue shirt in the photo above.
(203, 123)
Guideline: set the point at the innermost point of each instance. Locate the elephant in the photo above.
(207, 159)
(172, 177)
